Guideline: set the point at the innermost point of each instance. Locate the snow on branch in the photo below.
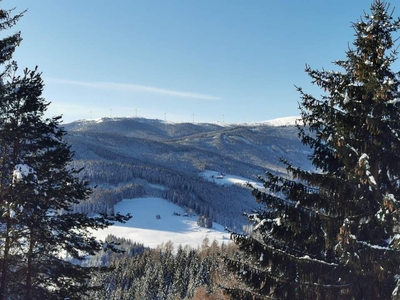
(377, 247)
(21, 171)
(300, 258)
(363, 167)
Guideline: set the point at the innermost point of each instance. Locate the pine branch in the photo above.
(240, 238)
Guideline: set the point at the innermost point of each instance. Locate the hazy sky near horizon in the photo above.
(226, 61)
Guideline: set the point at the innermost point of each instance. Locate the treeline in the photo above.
(103, 199)
(164, 272)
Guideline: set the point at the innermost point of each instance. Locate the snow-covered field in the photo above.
(145, 228)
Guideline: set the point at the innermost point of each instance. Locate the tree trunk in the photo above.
(29, 267)
(4, 267)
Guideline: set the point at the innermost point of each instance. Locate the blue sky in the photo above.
(226, 61)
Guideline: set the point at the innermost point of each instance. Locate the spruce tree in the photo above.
(333, 232)
(40, 235)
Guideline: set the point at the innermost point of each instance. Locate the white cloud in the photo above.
(134, 87)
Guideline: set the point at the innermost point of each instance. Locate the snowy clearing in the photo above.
(145, 228)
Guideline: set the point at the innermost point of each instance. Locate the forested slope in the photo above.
(127, 157)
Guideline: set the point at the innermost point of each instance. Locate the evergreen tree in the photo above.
(38, 188)
(333, 233)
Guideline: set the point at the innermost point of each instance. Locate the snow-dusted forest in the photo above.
(131, 158)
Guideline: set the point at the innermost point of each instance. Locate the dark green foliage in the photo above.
(333, 233)
(38, 189)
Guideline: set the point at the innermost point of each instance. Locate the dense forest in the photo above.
(167, 272)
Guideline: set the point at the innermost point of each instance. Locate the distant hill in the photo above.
(136, 157)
